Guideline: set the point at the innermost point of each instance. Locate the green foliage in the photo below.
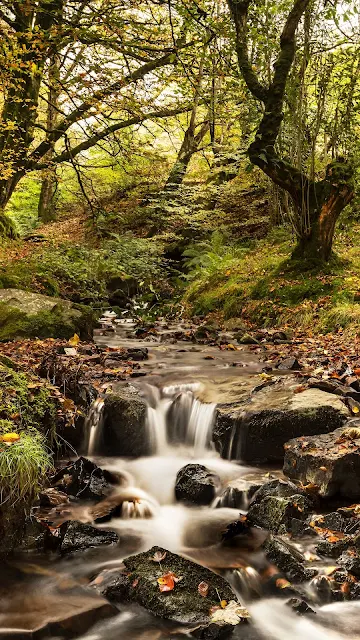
(82, 273)
(30, 412)
(23, 466)
(23, 206)
(207, 258)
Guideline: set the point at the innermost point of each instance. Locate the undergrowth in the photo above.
(265, 287)
(23, 466)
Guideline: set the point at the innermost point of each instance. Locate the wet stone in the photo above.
(79, 537)
(84, 480)
(350, 561)
(138, 582)
(300, 606)
(287, 559)
(195, 484)
(277, 503)
(289, 364)
(124, 427)
(331, 461)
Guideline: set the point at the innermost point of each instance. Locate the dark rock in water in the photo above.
(321, 586)
(246, 338)
(258, 430)
(289, 364)
(124, 427)
(52, 497)
(238, 493)
(300, 606)
(350, 561)
(282, 489)
(195, 484)
(288, 559)
(331, 461)
(79, 537)
(214, 632)
(184, 604)
(334, 549)
(205, 333)
(85, 480)
(276, 513)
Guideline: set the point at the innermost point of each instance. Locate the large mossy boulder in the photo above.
(124, 430)
(256, 431)
(26, 314)
(138, 582)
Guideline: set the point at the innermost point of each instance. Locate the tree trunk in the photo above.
(46, 206)
(7, 188)
(190, 145)
(46, 209)
(316, 244)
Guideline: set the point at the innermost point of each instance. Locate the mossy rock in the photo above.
(184, 603)
(24, 314)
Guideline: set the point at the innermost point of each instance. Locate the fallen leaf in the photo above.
(158, 556)
(223, 604)
(10, 437)
(232, 613)
(74, 341)
(167, 582)
(203, 589)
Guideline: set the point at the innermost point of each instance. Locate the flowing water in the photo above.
(181, 390)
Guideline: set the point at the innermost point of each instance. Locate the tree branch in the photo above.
(69, 154)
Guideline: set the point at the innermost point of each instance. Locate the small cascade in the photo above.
(176, 417)
(93, 426)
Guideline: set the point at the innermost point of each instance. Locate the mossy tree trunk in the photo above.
(46, 206)
(317, 204)
(190, 145)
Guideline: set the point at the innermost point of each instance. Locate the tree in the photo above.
(126, 47)
(317, 203)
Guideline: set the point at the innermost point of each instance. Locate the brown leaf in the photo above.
(158, 556)
(203, 589)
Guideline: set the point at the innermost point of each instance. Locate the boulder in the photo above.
(257, 429)
(138, 582)
(26, 314)
(238, 493)
(288, 559)
(195, 484)
(79, 537)
(124, 427)
(331, 461)
(276, 504)
(83, 479)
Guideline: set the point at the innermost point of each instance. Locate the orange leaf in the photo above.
(10, 437)
(166, 582)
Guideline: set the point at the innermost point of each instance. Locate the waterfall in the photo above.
(93, 425)
(176, 417)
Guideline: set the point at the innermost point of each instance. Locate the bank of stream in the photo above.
(180, 516)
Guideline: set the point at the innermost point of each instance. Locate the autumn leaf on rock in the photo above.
(74, 341)
(158, 556)
(203, 589)
(167, 582)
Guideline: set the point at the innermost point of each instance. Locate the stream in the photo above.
(182, 387)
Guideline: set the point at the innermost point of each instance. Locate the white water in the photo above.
(93, 425)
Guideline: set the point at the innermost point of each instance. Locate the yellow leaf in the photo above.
(10, 437)
(74, 341)
(223, 604)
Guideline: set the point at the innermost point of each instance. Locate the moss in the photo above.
(60, 322)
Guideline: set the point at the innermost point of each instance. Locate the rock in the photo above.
(331, 461)
(256, 431)
(276, 512)
(52, 498)
(184, 604)
(350, 561)
(83, 479)
(289, 364)
(195, 484)
(246, 338)
(238, 493)
(300, 606)
(124, 427)
(213, 632)
(288, 559)
(25, 314)
(79, 537)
